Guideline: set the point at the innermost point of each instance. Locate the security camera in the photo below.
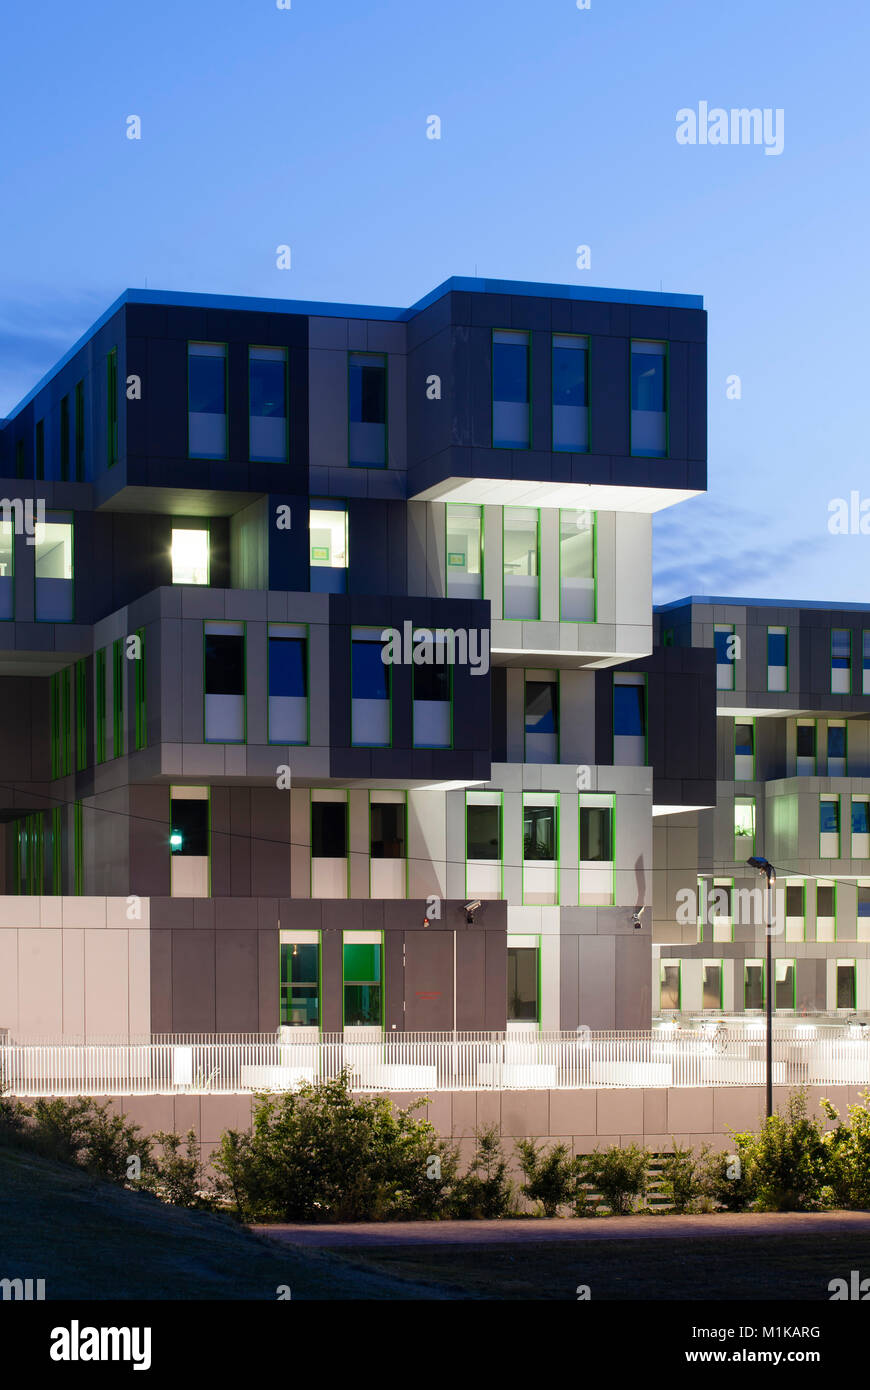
(470, 909)
(636, 918)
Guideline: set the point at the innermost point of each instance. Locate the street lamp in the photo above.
(763, 866)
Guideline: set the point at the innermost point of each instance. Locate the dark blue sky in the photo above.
(307, 127)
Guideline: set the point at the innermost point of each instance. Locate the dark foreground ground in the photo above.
(90, 1240)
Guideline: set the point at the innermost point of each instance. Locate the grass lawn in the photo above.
(794, 1266)
(89, 1239)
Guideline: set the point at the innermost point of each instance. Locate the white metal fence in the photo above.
(226, 1064)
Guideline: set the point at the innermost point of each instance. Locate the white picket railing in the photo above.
(200, 1064)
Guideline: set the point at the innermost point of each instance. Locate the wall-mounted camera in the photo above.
(470, 909)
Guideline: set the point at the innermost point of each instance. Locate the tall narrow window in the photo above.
(367, 410)
(669, 985)
(189, 842)
(542, 720)
(744, 827)
(570, 393)
(777, 658)
(117, 698)
(267, 378)
(860, 827)
(523, 980)
(79, 432)
(723, 640)
(744, 750)
(577, 566)
(112, 407)
(329, 845)
(7, 570)
(327, 534)
(795, 910)
(753, 984)
(81, 715)
(540, 848)
(370, 689)
(629, 720)
(64, 439)
(224, 682)
(865, 663)
(510, 390)
(596, 849)
(53, 568)
(100, 704)
(300, 981)
(805, 747)
(288, 683)
(846, 985)
(829, 827)
(387, 844)
(785, 984)
(841, 661)
(433, 705)
(190, 555)
(649, 399)
(521, 567)
(483, 844)
(826, 910)
(711, 995)
(207, 400)
(464, 550)
(362, 969)
(836, 748)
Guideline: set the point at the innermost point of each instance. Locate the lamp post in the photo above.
(763, 866)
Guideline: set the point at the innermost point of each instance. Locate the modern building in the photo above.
(793, 784)
(329, 696)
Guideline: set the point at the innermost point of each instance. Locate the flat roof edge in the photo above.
(725, 602)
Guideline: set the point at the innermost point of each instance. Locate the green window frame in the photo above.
(117, 697)
(517, 956)
(537, 575)
(362, 983)
(516, 333)
(671, 963)
(594, 575)
(744, 839)
(744, 721)
(296, 978)
(829, 799)
(112, 408)
(100, 704)
(81, 714)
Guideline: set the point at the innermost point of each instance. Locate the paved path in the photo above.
(512, 1232)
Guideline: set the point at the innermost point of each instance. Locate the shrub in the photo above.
(785, 1161)
(484, 1192)
(724, 1180)
(682, 1179)
(551, 1175)
(86, 1134)
(323, 1154)
(177, 1177)
(619, 1174)
(13, 1118)
(847, 1156)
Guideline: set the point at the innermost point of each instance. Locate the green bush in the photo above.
(86, 1134)
(847, 1156)
(785, 1162)
(175, 1176)
(484, 1192)
(682, 1178)
(724, 1181)
(619, 1174)
(550, 1175)
(322, 1154)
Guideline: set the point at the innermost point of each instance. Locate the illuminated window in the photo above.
(189, 556)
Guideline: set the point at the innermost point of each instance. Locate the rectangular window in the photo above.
(836, 748)
(777, 658)
(482, 831)
(329, 829)
(464, 550)
(523, 990)
(367, 410)
(596, 834)
(267, 388)
(190, 555)
(432, 693)
(542, 721)
(744, 826)
(805, 747)
(521, 568)
(100, 703)
(570, 393)
(539, 833)
(387, 830)
(362, 973)
(207, 400)
(744, 751)
(300, 983)
(328, 549)
(865, 663)
(7, 570)
(577, 566)
(841, 661)
(795, 894)
(753, 985)
(649, 399)
(79, 432)
(511, 415)
(629, 720)
(112, 407)
(54, 571)
(669, 982)
(189, 842)
(829, 827)
(117, 698)
(64, 439)
(846, 985)
(724, 642)
(370, 689)
(711, 996)
(785, 984)
(288, 684)
(224, 682)
(860, 819)
(825, 901)
(39, 449)
(141, 729)
(864, 898)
